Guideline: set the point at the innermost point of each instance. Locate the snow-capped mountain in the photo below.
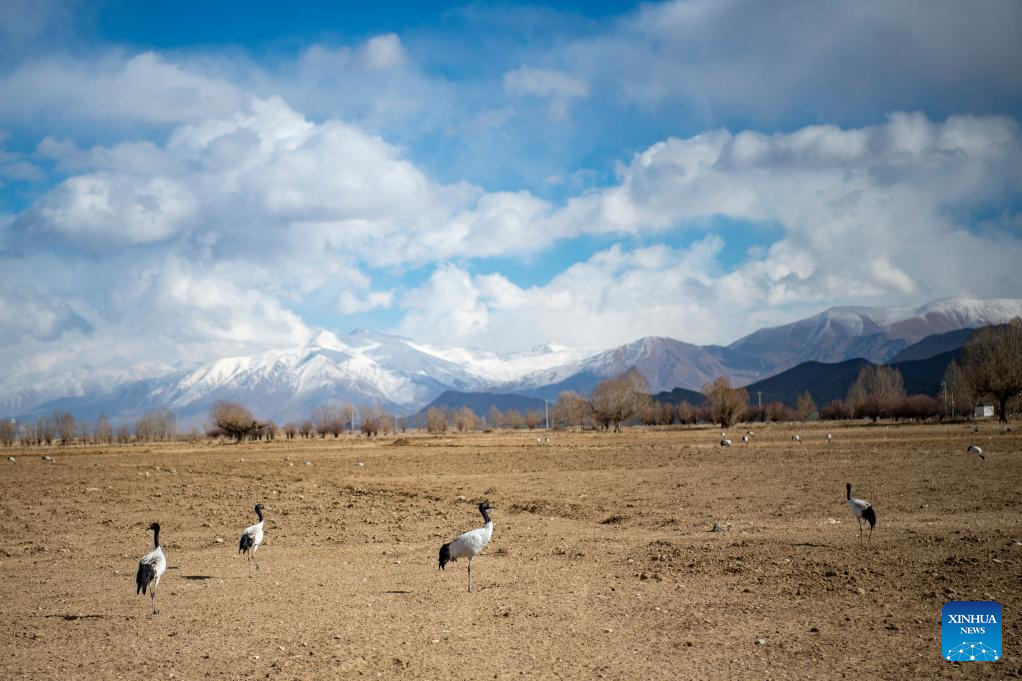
(402, 375)
(874, 333)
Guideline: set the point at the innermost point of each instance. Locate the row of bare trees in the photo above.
(62, 427)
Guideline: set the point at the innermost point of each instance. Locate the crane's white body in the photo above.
(469, 544)
(796, 438)
(158, 561)
(725, 443)
(976, 451)
(829, 438)
(256, 533)
(745, 439)
(252, 537)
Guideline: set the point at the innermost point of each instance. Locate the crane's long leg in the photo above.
(470, 575)
(155, 611)
(254, 559)
(860, 530)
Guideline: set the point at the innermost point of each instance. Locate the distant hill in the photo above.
(827, 382)
(679, 395)
(480, 403)
(923, 377)
(934, 345)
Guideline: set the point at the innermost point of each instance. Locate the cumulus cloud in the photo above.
(556, 86)
(745, 57)
(144, 87)
(30, 315)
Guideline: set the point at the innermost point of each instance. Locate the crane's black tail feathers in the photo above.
(146, 574)
(871, 516)
(247, 541)
(445, 556)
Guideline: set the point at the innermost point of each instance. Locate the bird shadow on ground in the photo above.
(396, 592)
(73, 618)
(198, 578)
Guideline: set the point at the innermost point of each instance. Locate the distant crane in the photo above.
(862, 510)
(976, 451)
(469, 544)
(796, 438)
(829, 438)
(151, 568)
(252, 537)
(725, 442)
(745, 439)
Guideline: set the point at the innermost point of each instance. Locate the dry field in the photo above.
(602, 564)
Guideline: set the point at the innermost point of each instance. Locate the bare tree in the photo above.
(778, 411)
(436, 420)
(992, 363)
(104, 432)
(685, 412)
(123, 434)
(347, 415)
(494, 418)
(306, 428)
(7, 429)
(617, 399)
(323, 417)
(235, 420)
(533, 419)
(805, 407)
(290, 430)
(959, 398)
(514, 419)
(571, 409)
(156, 425)
(877, 389)
(64, 423)
(726, 403)
(465, 419)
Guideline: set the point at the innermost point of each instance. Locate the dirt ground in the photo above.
(602, 563)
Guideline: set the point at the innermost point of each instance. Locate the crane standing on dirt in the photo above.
(469, 544)
(252, 537)
(976, 451)
(151, 568)
(862, 510)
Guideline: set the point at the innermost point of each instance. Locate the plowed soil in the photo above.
(602, 563)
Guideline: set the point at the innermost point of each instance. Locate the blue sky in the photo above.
(182, 181)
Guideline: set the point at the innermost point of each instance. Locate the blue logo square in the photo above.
(971, 631)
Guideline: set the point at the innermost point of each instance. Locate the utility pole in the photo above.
(546, 413)
(943, 387)
(759, 399)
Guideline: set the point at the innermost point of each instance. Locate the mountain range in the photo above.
(402, 375)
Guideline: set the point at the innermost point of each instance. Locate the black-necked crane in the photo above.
(469, 544)
(829, 438)
(725, 442)
(796, 438)
(745, 439)
(862, 510)
(252, 537)
(151, 568)
(976, 451)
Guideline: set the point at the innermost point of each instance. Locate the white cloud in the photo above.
(744, 57)
(30, 315)
(351, 302)
(144, 87)
(556, 86)
(383, 52)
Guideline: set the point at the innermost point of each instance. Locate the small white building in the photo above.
(984, 411)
